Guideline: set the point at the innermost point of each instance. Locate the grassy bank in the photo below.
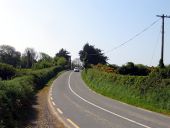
(151, 92)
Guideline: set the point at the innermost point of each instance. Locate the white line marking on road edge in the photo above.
(59, 110)
(53, 103)
(71, 122)
(125, 118)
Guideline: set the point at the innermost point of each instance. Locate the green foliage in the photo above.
(63, 54)
(91, 55)
(45, 57)
(151, 92)
(43, 64)
(161, 63)
(45, 61)
(42, 76)
(6, 71)
(16, 95)
(105, 68)
(162, 73)
(28, 58)
(9, 55)
(131, 69)
(61, 61)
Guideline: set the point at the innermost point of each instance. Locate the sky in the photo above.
(49, 25)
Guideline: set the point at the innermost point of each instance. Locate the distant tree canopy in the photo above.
(92, 55)
(61, 61)
(45, 57)
(45, 61)
(65, 54)
(9, 55)
(28, 58)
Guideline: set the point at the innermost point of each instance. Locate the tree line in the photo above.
(21, 75)
(90, 56)
(31, 59)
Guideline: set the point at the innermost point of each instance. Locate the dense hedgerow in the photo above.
(16, 95)
(42, 76)
(127, 69)
(43, 64)
(151, 92)
(6, 71)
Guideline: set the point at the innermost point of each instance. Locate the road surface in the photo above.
(80, 107)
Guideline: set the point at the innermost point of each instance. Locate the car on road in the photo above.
(76, 69)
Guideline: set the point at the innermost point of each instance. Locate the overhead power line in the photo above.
(133, 37)
(155, 46)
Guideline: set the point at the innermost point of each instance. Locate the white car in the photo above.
(76, 69)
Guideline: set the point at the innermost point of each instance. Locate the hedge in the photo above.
(16, 95)
(6, 71)
(151, 92)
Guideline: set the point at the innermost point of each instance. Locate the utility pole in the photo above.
(161, 62)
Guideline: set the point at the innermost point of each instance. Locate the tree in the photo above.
(45, 61)
(61, 61)
(44, 57)
(92, 55)
(64, 53)
(28, 58)
(9, 55)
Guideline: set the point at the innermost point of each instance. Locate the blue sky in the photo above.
(49, 25)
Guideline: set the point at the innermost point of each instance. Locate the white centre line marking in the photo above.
(59, 110)
(125, 118)
(51, 98)
(71, 122)
(53, 103)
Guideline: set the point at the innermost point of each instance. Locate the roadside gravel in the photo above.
(41, 116)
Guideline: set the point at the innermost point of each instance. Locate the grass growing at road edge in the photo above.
(147, 92)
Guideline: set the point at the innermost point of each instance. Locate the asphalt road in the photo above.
(83, 108)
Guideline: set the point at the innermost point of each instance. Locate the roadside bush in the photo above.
(42, 76)
(16, 95)
(135, 70)
(42, 64)
(105, 68)
(6, 71)
(127, 69)
(151, 92)
(163, 73)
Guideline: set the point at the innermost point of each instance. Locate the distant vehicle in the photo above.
(76, 69)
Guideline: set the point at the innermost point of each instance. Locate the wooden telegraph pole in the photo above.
(161, 62)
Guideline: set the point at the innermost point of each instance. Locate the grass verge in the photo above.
(139, 91)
